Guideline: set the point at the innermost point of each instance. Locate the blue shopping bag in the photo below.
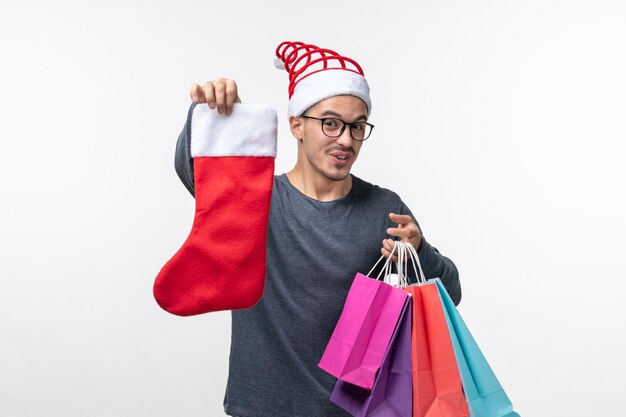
(483, 391)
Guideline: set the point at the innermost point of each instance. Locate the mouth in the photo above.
(341, 157)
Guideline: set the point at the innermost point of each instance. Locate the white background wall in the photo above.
(500, 123)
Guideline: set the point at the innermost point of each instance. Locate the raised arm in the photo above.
(183, 162)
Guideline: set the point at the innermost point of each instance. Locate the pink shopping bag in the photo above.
(358, 344)
(392, 393)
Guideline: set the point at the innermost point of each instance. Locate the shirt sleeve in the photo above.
(436, 265)
(183, 162)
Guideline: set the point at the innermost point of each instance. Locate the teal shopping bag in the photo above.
(483, 391)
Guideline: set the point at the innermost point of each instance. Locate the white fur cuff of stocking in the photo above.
(249, 131)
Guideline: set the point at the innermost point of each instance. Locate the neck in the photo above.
(318, 187)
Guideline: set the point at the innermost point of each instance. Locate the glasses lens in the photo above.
(360, 131)
(332, 127)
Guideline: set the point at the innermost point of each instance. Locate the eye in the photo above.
(331, 123)
(358, 127)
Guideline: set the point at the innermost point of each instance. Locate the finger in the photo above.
(220, 97)
(386, 254)
(209, 94)
(388, 244)
(197, 94)
(388, 251)
(403, 219)
(231, 95)
(404, 233)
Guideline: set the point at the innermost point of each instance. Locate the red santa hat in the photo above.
(316, 74)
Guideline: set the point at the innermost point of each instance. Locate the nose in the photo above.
(345, 139)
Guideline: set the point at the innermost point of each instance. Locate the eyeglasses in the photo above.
(333, 128)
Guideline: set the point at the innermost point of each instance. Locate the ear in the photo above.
(296, 126)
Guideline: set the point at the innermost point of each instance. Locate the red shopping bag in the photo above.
(437, 384)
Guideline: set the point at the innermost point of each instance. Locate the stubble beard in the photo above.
(338, 174)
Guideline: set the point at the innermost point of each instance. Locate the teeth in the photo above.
(342, 157)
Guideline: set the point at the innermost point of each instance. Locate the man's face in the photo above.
(331, 157)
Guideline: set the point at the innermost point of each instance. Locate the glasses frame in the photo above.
(343, 128)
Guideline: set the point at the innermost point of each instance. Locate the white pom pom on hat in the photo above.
(316, 74)
(279, 64)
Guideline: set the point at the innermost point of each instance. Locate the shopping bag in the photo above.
(437, 384)
(436, 380)
(485, 395)
(391, 395)
(361, 337)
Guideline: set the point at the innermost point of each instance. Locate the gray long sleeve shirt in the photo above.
(314, 250)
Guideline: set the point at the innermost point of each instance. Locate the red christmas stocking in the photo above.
(221, 265)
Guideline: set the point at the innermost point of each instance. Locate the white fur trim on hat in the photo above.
(326, 84)
(249, 131)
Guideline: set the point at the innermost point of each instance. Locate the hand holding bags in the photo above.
(448, 377)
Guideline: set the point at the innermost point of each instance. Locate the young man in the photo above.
(325, 225)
